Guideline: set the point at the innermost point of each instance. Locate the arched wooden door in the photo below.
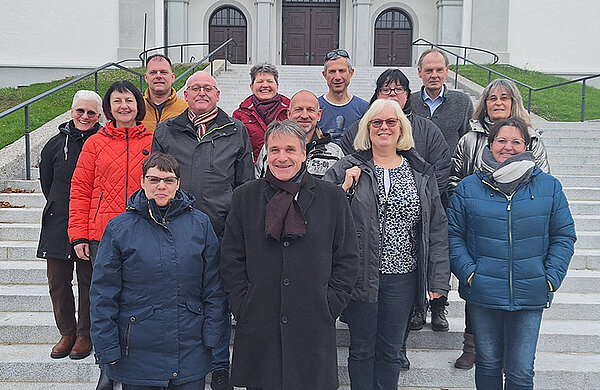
(225, 23)
(393, 35)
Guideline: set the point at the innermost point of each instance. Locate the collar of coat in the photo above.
(222, 121)
(169, 101)
(305, 196)
(137, 131)
(414, 159)
(247, 104)
(147, 208)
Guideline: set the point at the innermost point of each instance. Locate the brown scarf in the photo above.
(267, 109)
(283, 217)
(201, 121)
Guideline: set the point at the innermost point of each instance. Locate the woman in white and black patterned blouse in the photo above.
(402, 231)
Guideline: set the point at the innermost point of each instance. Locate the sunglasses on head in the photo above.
(337, 52)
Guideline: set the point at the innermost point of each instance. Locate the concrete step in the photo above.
(578, 180)
(585, 207)
(582, 193)
(21, 215)
(579, 169)
(588, 240)
(581, 281)
(568, 142)
(586, 259)
(18, 250)
(573, 159)
(24, 185)
(586, 150)
(587, 222)
(20, 231)
(26, 200)
(23, 272)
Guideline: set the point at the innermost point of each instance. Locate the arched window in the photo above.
(393, 35)
(225, 23)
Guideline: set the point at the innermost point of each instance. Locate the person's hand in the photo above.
(434, 295)
(352, 175)
(83, 251)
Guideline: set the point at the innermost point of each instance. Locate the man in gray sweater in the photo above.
(449, 109)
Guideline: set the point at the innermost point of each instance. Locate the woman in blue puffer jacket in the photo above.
(158, 307)
(511, 238)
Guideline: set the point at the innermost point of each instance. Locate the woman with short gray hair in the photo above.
(264, 106)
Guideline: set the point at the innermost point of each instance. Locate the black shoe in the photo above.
(404, 362)
(220, 380)
(439, 323)
(104, 382)
(417, 321)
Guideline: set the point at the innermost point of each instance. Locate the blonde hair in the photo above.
(363, 140)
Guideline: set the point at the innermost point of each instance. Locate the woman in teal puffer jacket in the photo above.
(511, 238)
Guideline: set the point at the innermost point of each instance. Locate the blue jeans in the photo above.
(195, 385)
(505, 341)
(377, 333)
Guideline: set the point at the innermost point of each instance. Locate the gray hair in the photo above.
(335, 57)
(264, 67)
(88, 95)
(432, 50)
(286, 127)
(517, 110)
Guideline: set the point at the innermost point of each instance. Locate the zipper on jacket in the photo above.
(98, 208)
(127, 332)
(510, 243)
(127, 167)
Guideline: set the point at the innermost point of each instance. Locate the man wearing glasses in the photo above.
(340, 108)
(161, 98)
(215, 155)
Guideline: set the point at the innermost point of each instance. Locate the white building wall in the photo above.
(550, 36)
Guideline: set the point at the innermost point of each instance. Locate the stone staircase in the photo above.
(568, 350)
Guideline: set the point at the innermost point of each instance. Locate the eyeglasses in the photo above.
(516, 143)
(170, 180)
(494, 98)
(388, 91)
(377, 123)
(337, 52)
(81, 111)
(198, 88)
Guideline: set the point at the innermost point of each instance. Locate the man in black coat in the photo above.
(289, 261)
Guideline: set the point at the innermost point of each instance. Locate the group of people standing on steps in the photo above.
(290, 214)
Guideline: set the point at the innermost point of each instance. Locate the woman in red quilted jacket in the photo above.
(109, 168)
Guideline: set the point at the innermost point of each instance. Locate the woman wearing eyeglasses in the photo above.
(402, 233)
(511, 240)
(109, 168)
(500, 100)
(57, 163)
(158, 307)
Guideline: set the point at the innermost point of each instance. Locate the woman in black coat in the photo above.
(58, 159)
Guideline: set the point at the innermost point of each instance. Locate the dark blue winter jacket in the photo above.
(514, 249)
(157, 304)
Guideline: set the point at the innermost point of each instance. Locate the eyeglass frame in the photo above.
(199, 88)
(398, 90)
(520, 142)
(150, 178)
(396, 120)
(81, 111)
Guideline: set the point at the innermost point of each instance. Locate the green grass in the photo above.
(12, 127)
(556, 104)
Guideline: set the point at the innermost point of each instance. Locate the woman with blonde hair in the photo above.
(402, 233)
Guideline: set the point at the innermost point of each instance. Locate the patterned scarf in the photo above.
(513, 171)
(283, 217)
(201, 121)
(267, 109)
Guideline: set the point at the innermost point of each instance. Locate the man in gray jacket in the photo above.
(215, 156)
(450, 110)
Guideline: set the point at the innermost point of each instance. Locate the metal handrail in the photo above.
(25, 105)
(490, 71)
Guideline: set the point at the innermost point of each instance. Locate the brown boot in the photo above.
(467, 359)
(81, 349)
(63, 347)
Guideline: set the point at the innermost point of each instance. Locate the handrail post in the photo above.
(226, 56)
(529, 103)
(583, 101)
(27, 146)
(456, 73)
(181, 54)
(96, 82)
(142, 85)
(489, 77)
(465, 57)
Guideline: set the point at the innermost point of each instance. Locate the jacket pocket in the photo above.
(98, 207)
(192, 322)
(245, 302)
(134, 333)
